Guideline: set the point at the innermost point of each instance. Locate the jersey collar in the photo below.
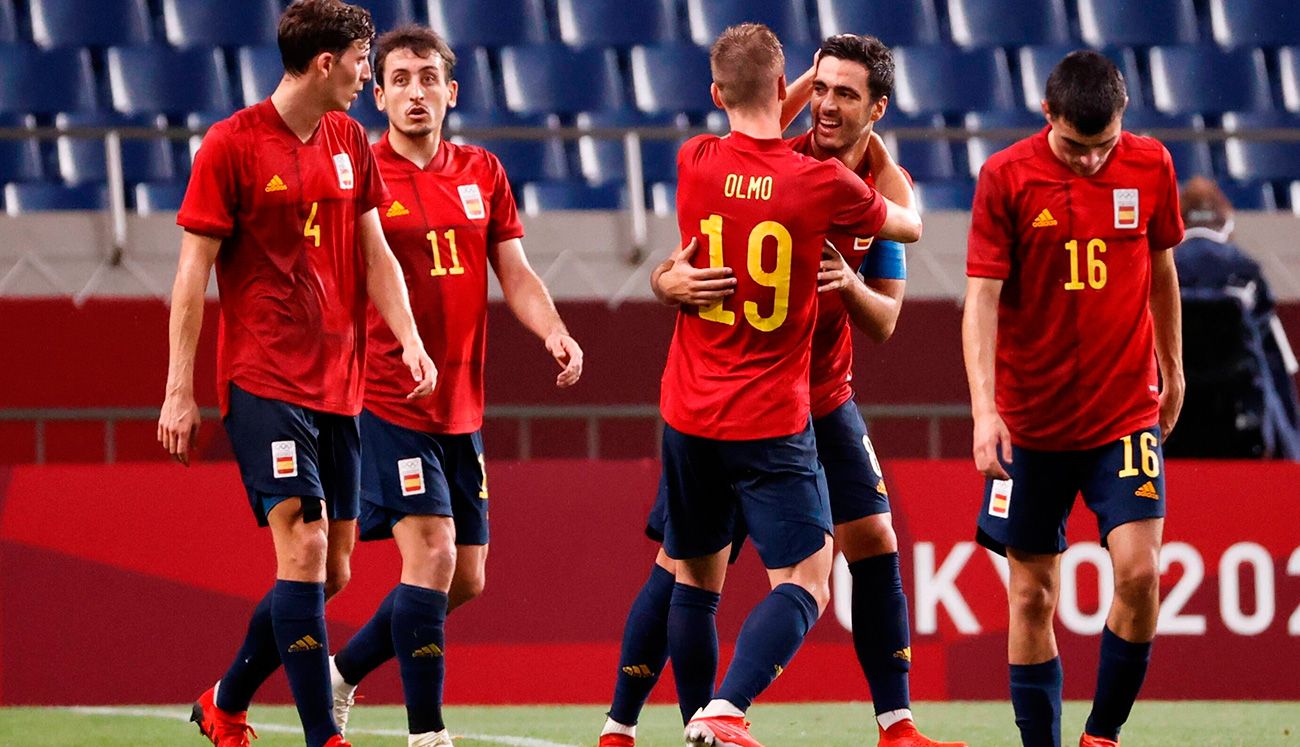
(384, 150)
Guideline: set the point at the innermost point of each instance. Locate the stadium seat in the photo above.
(944, 79)
(260, 71)
(364, 111)
(1295, 197)
(955, 194)
(1207, 80)
(8, 28)
(69, 23)
(995, 23)
(619, 23)
(524, 160)
(798, 58)
(82, 160)
(488, 23)
(561, 79)
(43, 196)
(1288, 63)
(41, 82)
(156, 79)
(1255, 159)
(388, 14)
(20, 160)
(663, 197)
(1037, 63)
(979, 148)
(161, 197)
(1250, 195)
(1190, 157)
(602, 159)
(923, 159)
(894, 23)
(709, 18)
(542, 196)
(475, 90)
(672, 77)
(1255, 23)
(1126, 23)
(228, 23)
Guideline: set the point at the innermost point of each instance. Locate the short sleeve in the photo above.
(503, 222)
(1165, 229)
(212, 197)
(857, 208)
(988, 247)
(373, 192)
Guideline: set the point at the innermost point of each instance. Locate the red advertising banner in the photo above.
(132, 584)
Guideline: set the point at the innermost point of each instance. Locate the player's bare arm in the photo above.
(531, 303)
(387, 291)
(873, 305)
(676, 281)
(178, 424)
(979, 333)
(1167, 317)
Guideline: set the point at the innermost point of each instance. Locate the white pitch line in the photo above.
(284, 729)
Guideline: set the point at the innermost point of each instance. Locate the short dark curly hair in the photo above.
(1087, 90)
(312, 27)
(419, 39)
(869, 52)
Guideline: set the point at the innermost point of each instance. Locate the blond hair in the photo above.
(746, 60)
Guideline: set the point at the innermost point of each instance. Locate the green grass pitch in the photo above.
(1154, 724)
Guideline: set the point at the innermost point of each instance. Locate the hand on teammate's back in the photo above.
(834, 273)
(422, 370)
(992, 439)
(686, 284)
(178, 426)
(568, 354)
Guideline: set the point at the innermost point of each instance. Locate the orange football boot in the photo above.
(224, 729)
(1087, 740)
(904, 734)
(720, 731)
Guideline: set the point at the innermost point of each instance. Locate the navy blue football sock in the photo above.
(1036, 699)
(298, 616)
(370, 646)
(257, 660)
(880, 632)
(645, 647)
(1120, 671)
(767, 642)
(693, 643)
(419, 617)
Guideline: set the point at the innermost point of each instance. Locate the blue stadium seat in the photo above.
(388, 14)
(39, 197)
(1190, 157)
(1252, 195)
(1037, 63)
(619, 23)
(228, 23)
(708, 18)
(995, 23)
(1288, 63)
(538, 197)
(1127, 23)
(798, 58)
(488, 23)
(1254, 159)
(8, 28)
(956, 194)
(894, 23)
(923, 159)
(978, 149)
(524, 160)
(1207, 80)
(70, 23)
(557, 78)
(260, 71)
(157, 79)
(159, 197)
(41, 82)
(82, 160)
(475, 90)
(663, 198)
(602, 159)
(1255, 23)
(672, 77)
(364, 111)
(20, 160)
(944, 79)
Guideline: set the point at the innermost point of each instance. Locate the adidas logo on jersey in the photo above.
(430, 651)
(276, 184)
(640, 671)
(1148, 490)
(306, 643)
(1044, 219)
(397, 210)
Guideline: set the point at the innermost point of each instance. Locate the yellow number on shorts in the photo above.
(312, 231)
(1096, 267)
(778, 279)
(1150, 459)
(438, 270)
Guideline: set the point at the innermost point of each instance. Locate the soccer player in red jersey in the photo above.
(1072, 298)
(738, 438)
(283, 200)
(451, 215)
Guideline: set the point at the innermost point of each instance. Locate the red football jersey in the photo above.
(1076, 363)
(738, 369)
(440, 223)
(290, 272)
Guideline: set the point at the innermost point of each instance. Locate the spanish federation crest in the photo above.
(1126, 208)
(472, 200)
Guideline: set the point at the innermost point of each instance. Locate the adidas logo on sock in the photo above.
(1147, 491)
(640, 671)
(428, 652)
(904, 654)
(306, 643)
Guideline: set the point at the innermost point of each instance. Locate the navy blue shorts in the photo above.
(412, 473)
(287, 451)
(775, 484)
(1121, 482)
(853, 473)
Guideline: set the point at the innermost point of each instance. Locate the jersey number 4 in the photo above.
(777, 279)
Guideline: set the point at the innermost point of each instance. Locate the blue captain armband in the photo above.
(887, 260)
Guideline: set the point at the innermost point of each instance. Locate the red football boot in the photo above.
(222, 728)
(720, 731)
(1087, 740)
(616, 740)
(337, 741)
(904, 734)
